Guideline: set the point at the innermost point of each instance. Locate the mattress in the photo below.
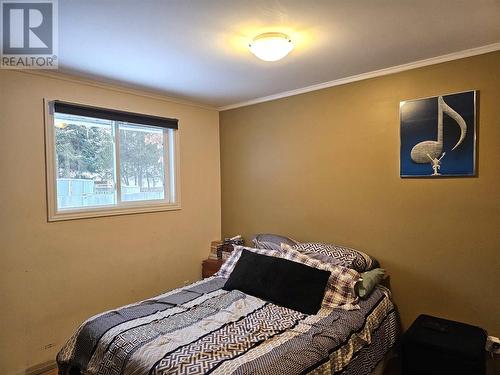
(203, 329)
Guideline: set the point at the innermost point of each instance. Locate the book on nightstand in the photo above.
(221, 250)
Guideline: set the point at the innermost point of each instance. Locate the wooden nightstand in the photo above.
(210, 266)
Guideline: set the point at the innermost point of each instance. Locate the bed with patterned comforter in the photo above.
(203, 329)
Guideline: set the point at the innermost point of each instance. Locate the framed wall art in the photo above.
(438, 136)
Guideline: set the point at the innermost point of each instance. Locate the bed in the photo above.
(204, 329)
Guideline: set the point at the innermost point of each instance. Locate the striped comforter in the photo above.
(202, 329)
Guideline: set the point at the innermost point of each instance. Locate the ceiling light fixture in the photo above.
(271, 46)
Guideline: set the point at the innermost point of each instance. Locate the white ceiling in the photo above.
(197, 49)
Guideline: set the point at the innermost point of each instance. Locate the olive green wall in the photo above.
(324, 166)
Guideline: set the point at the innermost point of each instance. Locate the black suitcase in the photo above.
(434, 346)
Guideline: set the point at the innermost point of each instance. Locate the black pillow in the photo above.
(283, 282)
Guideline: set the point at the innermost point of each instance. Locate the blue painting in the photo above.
(438, 136)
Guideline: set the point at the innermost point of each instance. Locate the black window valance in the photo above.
(113, 114)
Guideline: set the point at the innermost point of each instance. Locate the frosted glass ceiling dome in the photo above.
(271, 46)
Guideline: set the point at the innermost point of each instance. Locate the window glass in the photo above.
(84, 162)
(142, 163)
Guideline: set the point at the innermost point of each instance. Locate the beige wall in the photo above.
(324, 166)
(55, 275)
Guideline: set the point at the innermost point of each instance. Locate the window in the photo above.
(106, 162)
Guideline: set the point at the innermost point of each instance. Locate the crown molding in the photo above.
(114, 87)
(376, 73)
(341, 81)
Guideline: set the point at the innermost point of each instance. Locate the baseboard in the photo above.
(40, 368)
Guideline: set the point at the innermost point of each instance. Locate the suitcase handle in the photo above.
(435, 326)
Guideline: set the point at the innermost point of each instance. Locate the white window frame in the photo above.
(171, 202)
